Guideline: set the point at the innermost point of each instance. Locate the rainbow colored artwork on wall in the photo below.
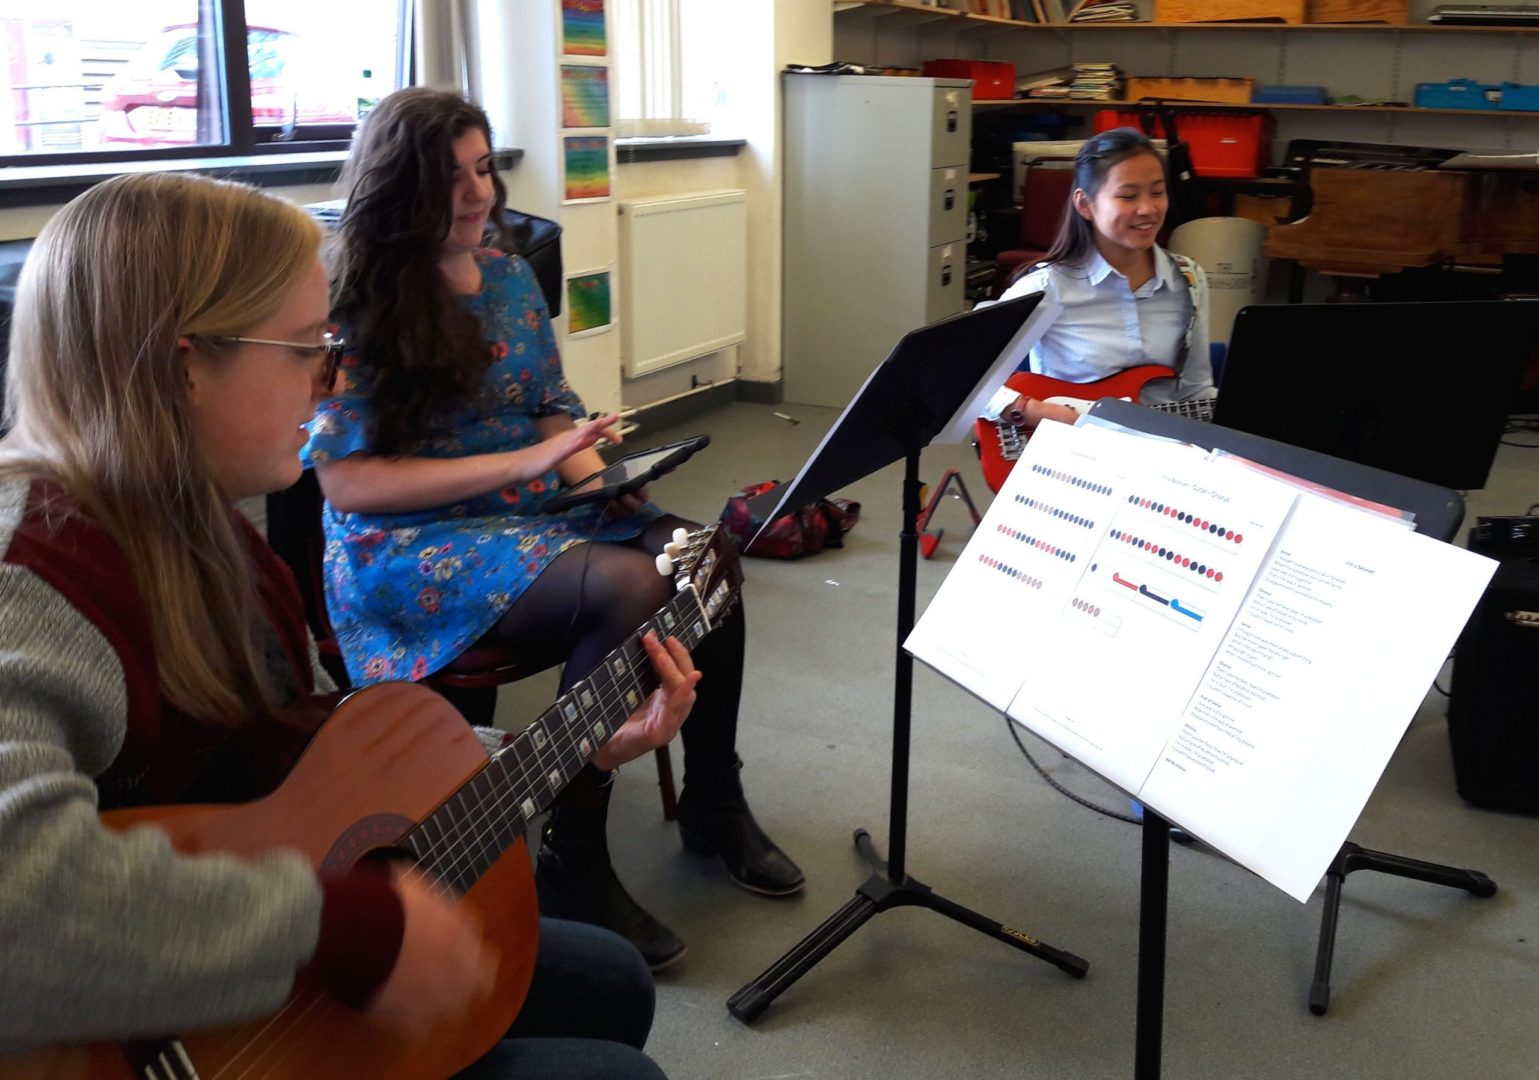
(587, 302)
(587, 166)
(584, 96)
(582, 28)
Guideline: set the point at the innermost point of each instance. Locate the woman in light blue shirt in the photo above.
(1125, 300)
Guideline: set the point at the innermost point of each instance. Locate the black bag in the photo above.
(1185, 203)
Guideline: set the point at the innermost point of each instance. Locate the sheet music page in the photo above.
(1312, 688)
(1185, 537)
(992, 614)
(1242, 655)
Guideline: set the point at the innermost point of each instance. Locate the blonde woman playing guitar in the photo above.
(170, 338)
(1126, 302)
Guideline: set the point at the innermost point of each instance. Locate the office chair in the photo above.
(1044, 193)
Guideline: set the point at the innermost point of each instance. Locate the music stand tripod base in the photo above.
(1352, 857)
(907, 401)
(876, 895)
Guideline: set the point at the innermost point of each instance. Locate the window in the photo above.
(101, 80)
(668, 57)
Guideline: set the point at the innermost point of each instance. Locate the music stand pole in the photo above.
(1153, 904)
(890, 886)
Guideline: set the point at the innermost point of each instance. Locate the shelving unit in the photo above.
(1375, 61)
(1404, 110)
(923, 13)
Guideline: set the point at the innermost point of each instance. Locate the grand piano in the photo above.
(1368, 209)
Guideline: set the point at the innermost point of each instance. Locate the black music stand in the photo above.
(1438, 514)
(931, 384)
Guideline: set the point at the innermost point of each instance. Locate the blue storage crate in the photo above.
(1520, 97)
(1288, 94)
(1458, 94)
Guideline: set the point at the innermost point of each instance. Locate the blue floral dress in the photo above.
(409, 592)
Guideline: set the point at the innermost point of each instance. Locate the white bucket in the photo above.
(1229, 251)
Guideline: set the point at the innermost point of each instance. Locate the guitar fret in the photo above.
(493, 808)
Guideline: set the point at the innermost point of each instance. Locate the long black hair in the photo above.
(403, 320)
(1095, 160)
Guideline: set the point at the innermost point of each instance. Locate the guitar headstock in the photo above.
(707, 562)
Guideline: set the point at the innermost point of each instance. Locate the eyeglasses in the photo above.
(332, 346)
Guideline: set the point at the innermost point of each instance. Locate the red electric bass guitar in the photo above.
(395, 768)
(1000, 442)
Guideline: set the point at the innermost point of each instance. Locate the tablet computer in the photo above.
(629, 474)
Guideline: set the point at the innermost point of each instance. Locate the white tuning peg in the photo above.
(672, 550)
(681, 536)
(665, 565)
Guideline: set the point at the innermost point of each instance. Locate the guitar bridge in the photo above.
(1011, 441)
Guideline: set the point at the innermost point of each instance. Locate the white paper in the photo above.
(1161, 587)
(1241, 655)
(1312, 689)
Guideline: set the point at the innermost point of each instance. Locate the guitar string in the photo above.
(282, 1027)
(689, 610)
(634, 656)
(492, 816)
(483, 814)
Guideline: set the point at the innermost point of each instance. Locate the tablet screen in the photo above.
(630, 468)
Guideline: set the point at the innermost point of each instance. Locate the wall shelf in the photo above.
(1206, 106)
(908, 9)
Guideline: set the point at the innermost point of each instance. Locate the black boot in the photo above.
(714, 819)
(575, 880)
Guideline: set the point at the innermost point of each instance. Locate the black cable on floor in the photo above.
(1056, 786)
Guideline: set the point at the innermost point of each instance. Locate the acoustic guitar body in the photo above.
(385, 760)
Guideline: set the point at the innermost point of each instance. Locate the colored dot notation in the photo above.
(1185, 562)
(1072, 480)
(1219, 531)
(1010, 571)
(1039, 544)
(1053, 511)
(1087, 607)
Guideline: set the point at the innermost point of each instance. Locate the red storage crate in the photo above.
(1222, 143)
(993, 80)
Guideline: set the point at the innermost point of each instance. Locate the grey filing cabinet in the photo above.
(875, 222)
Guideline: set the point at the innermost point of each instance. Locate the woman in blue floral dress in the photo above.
(453, 424)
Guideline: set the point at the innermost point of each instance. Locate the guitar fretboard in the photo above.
(1012, 440)
(465, 836)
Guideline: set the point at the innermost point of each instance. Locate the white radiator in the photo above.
(683, 278)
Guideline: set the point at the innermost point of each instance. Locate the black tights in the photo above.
(593, 597)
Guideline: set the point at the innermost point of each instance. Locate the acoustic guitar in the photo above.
(396, 771)
(1001, 441)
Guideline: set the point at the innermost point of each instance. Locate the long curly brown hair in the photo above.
(402, 319)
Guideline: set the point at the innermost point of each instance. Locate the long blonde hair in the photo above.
(96, 399)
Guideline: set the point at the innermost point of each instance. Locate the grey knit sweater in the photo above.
(104, 934)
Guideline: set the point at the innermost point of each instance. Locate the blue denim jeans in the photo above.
(587, 1015)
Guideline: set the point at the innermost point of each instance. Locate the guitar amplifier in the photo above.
(1493, 704)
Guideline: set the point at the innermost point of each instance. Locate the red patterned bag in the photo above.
(805, 531)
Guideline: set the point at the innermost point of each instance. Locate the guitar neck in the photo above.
(1200, 409)
(475, 825)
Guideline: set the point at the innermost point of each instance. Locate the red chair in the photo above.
(469, 682)
(1044, 193)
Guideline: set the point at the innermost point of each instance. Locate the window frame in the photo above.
(243, 138)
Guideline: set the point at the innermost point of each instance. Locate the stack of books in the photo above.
(1104, 11)
(1096, 82)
